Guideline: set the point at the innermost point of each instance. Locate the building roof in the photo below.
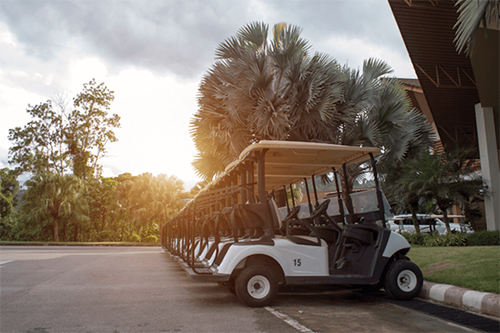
(446, 77)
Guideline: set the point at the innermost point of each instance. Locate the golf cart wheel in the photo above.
(256, 285)
(403, 280)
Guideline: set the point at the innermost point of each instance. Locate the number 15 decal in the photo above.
(297, 262)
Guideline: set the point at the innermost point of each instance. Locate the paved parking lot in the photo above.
(142, 289)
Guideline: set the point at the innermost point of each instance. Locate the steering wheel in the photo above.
(292, 214)
(320, 209)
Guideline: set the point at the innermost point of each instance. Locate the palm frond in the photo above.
(471, 14)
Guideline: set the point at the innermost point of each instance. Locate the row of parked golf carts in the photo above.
(246, 232)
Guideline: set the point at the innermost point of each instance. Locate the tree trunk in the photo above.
(415, 221)
(75, 232)
(64, 230)
(56, 229)
(445, 218)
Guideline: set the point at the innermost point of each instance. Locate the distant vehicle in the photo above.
(427, 224)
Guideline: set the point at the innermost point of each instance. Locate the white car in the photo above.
(427, 224)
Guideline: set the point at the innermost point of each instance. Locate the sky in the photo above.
(153, 54)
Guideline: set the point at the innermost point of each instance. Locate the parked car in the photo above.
(427, 223)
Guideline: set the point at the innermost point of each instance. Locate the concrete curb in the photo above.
(462, 298)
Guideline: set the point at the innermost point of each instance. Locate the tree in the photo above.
(155, 199)
(90, 129)
(39, 147)
(384, 118)
(57, 140)
(103, 203)
(471, 14)
(444, 178)
(56, 198)
(260, 90)
(9, 186)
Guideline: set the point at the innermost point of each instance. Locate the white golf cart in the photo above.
(243, 232)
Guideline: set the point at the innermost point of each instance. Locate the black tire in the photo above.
(256, 285)
(403, 280)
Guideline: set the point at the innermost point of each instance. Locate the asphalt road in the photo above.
(142, 289)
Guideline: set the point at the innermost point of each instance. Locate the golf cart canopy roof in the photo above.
(287, 162)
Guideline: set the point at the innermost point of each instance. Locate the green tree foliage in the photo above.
(58, 140)
(90, 129)
(66, 208)
(442, 178)
(39, 147)
(262, 89)
(9, 186)
(103, 203)
(56, 199)
(153, 200)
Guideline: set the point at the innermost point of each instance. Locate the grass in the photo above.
(474, 267)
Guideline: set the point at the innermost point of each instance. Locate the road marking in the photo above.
(289, 320)
(5, 262)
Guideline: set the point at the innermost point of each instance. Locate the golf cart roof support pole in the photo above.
(314, 189)
(379, 192)
(261, 186)
(251, 188)
(261, 175)
(339, 197)
(243, 180)
(192, 224)
(346, 189)
(308, 197)
(286, 200)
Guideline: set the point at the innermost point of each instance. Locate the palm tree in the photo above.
(276, 90)
(261, 90)
(153, 199)
(384, 118)
(55, 197)
(471, 14)
(445, 178)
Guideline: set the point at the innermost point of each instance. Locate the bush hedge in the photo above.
(150, 239)
(135, 238)
(480, 238)
(484, 238)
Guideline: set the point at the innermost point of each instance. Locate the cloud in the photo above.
(180, 37)
(158, 35)
(153, 54)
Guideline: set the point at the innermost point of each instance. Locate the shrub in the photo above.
(484, 237)
(417, 239)
(135, 238)
(150, 239)
(104, 236)
(450, 239)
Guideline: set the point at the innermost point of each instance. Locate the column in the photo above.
(488, 153)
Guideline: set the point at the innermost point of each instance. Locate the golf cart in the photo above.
(246, 232)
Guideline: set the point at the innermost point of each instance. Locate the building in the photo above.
(462, 93)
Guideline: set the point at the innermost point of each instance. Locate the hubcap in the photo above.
(407, 280)
(258, 286)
